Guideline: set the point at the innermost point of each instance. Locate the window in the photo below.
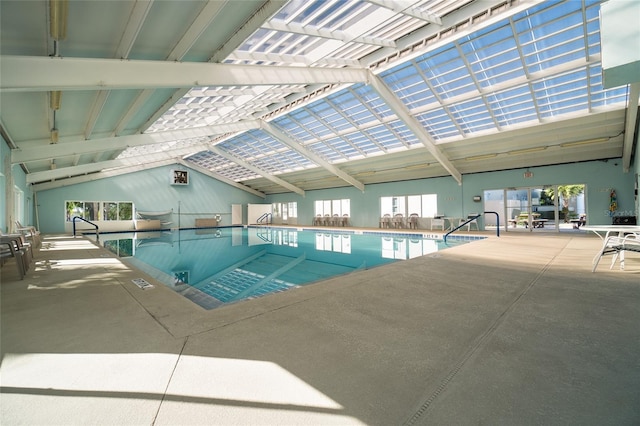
(99, 210)
(285, 210)
(425, 205)
(333, 207)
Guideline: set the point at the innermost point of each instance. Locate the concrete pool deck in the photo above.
(514, 330)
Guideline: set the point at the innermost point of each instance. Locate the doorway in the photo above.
(546, 208)
(530, 209)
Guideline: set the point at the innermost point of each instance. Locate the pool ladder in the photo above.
(265, 219)
(85, 220)
(471, 219)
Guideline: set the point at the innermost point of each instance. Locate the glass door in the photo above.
(531, 209)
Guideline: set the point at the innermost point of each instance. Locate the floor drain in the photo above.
(142, 283)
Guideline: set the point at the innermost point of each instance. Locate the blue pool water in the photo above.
(218, 266)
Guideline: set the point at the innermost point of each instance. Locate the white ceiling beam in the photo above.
(268, 9)
(131, 31)
(132, 169)
(249, 166)
(32, 73)
(66, 172)
(203, 20)
(414, 12)
(630, 125)
(38, 153)
(221, 178)
(97, 176)
(98, 104)
(403, 113)
(314, 31)
(195, 30)
(134, 25)
(282, 137)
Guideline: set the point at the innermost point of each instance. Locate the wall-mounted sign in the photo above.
(179, 177)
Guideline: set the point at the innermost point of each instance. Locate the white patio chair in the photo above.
(437, 223)
(617, 246)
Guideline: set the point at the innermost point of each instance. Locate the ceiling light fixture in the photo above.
(58, 19)
(55, 99)
(481, 157)
(587, 142)
(416, 166)
(527, 150)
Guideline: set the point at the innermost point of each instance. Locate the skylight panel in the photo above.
(401, 130)
(601, 97)
(564, 93)
(274, 164)
(362, 143)
(335, 16)
(513, 106)
(238, 173)
(291, 128)
(384, 137)
(324, 150)
(347, 150)
(438, 124)
(498, 70)
(252, 144)
(369, 97)
(472, 116)
(409, 86)
(352, 107)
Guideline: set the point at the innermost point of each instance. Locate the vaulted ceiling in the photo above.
(291, 96)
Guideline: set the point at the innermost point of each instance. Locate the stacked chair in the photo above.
(15, 246)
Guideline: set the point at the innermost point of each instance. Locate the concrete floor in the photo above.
(514, 330)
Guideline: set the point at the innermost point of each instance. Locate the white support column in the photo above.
(630, 124)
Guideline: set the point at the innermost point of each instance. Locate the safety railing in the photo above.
(471, 219)
(85, 220)
(265, 219)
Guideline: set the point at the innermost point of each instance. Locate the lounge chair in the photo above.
(617, 246)
(13, 245)
(29, 232)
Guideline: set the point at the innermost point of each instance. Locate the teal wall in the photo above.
(457, 200)
(149, 190)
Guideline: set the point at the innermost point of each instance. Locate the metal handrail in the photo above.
(84, 220)
(471, 219)
(266, 216)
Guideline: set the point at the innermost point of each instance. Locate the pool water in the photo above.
(218, 266)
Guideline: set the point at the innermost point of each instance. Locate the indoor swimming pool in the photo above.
(217, 266)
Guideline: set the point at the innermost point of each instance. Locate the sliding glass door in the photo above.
(538, 208)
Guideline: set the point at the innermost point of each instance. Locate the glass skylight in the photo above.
(539, 65)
